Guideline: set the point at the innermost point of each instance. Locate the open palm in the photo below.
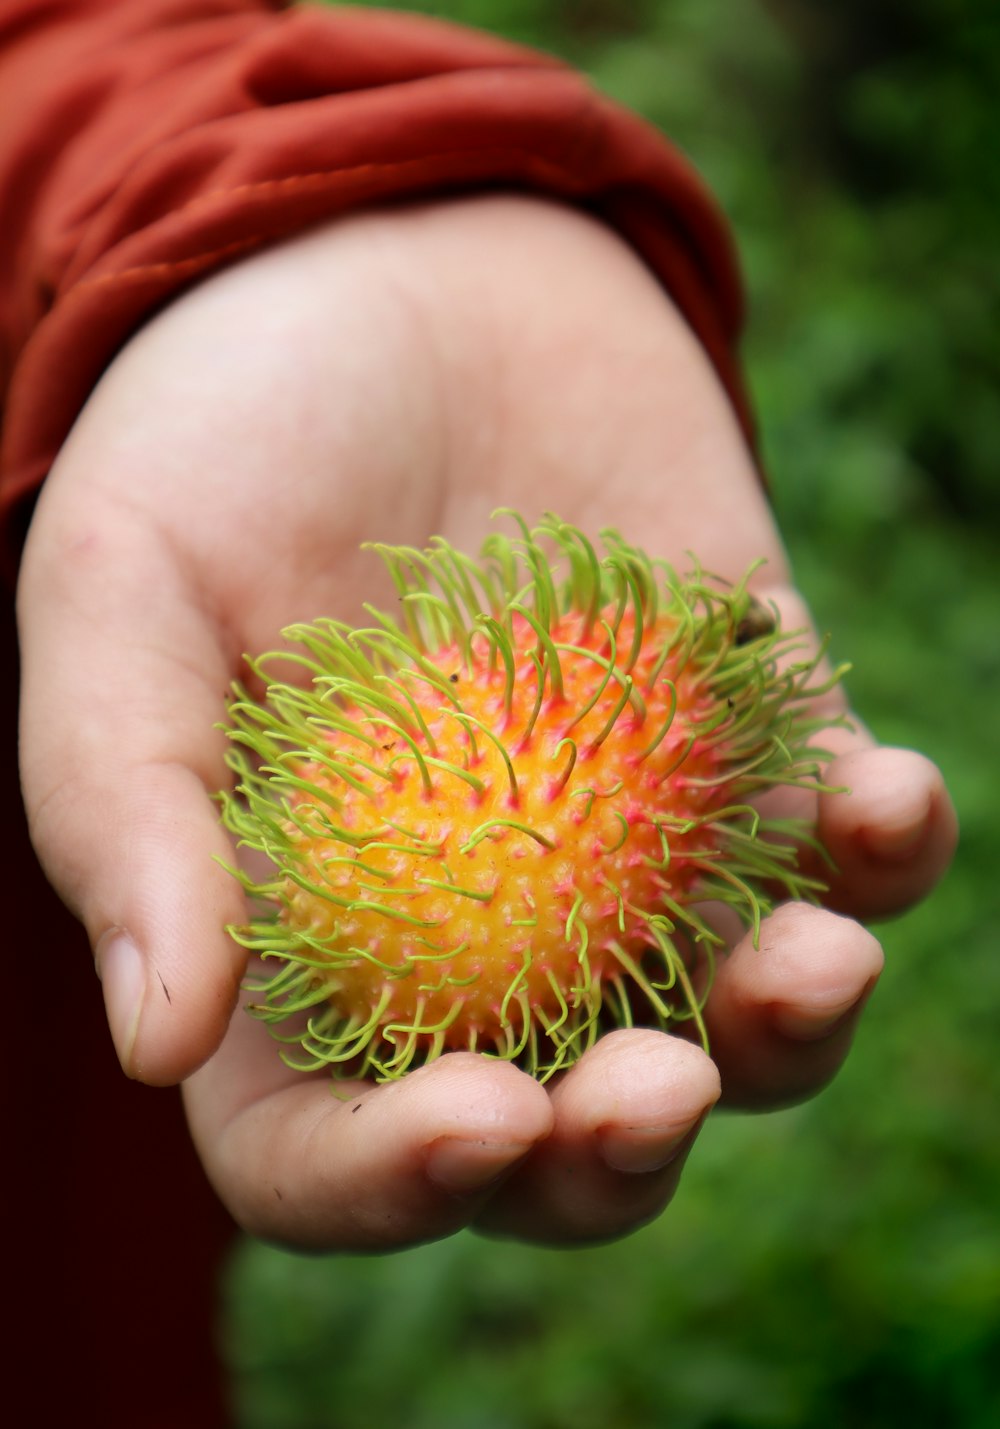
(392, 377)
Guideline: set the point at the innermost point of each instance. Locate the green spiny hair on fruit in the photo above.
(494, 822)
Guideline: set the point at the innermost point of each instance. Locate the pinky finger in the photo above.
(891, 832)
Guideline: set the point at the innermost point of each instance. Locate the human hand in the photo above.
(393, 376)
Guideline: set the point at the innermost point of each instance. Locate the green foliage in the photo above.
(838, 1263)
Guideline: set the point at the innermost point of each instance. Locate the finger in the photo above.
(122, 684)
(626, 1117)
(891, 833)
(885, 823)
(781, 1016)
(889, 827)
(367, 1168)
(886, 826)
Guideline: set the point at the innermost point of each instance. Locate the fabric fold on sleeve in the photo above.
(146, 143)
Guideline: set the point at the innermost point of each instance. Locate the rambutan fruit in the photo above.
(494, 823)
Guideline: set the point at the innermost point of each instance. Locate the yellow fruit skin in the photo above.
(492, 824)
(511, 917)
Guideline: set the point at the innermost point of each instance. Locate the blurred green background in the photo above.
(838, 1263)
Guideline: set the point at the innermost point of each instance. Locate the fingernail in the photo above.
(462, 1167)
(805, 1024)
(895, 843)
(640, 1149)
(123, 980)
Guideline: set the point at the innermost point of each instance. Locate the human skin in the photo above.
(396, 375)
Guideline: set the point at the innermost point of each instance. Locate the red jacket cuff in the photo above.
(147, 142)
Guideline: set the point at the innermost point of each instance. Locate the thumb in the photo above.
(123, 680)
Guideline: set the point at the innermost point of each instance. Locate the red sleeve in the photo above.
(144, 143)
